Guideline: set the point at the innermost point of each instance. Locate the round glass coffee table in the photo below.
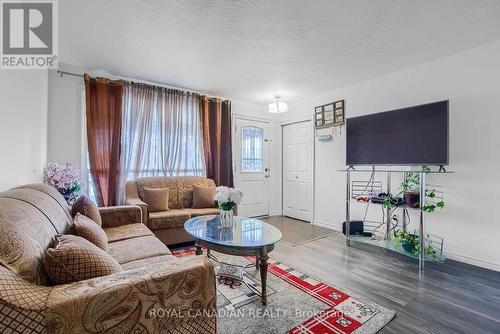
(246, 237)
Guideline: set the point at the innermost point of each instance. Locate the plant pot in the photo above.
(407, 246)
(226, 218)
(412, 200)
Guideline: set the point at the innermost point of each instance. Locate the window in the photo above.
(251, 149)
(160, 136)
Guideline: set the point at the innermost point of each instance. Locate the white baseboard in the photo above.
(473, 261)
(336, 227)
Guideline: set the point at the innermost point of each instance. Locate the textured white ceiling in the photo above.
(252, 50)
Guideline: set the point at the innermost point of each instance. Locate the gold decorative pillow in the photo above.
(75, 259)
(203, 197)
(88, 229)
(156, 198)
(87, 208)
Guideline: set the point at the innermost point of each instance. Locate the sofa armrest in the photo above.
(20, 294)
(152, 299)
(23, 304)
(132, 198)
(142, 205)
(113, 216)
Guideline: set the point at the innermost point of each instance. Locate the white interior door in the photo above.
(297, 171)
(252, 166)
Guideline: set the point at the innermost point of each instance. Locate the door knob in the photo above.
(296, 177)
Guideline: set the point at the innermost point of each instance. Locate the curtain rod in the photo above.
(61, 73)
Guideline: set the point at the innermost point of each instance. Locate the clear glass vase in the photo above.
(226, 217)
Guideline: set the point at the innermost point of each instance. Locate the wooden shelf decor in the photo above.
(329, 115)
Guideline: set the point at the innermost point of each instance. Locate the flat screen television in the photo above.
(404, 137)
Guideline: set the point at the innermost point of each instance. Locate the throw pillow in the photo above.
(86, 228)
(87, 208)
(75, 259)
(156, 199)
(203, 197)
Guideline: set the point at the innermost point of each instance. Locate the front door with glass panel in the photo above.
(251, 148)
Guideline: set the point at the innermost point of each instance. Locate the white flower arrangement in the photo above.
(227, 198)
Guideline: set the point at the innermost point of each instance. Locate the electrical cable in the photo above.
(372, 179)
(382, 223)
(408, 215)
(370, 182)
(366, 210)
(394, 225)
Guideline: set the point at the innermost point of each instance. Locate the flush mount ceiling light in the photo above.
(277, 106)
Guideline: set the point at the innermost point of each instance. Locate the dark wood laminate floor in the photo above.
(448, 298)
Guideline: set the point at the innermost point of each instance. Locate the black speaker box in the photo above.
(356, 227)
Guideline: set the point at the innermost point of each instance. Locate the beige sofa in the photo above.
(30, 217)
(168, 226)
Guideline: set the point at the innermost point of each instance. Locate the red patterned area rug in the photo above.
(297, 303)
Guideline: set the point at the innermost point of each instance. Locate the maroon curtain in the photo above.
(216, 126)
(104, 117)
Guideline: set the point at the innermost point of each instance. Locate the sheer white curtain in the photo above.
(161, 134)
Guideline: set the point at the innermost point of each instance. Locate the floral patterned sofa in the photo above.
(168, 226)
(152, 279)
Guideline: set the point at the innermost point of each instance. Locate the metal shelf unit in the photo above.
(387, 243)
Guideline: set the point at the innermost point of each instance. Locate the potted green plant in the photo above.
(409, 189)
(410, 242)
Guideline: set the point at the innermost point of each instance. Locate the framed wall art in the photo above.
(329, 115)
(339, 112)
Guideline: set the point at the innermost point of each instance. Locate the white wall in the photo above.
(23, 126)
(470, 80)
(65, 119)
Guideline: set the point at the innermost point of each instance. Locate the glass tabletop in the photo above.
(244, 233)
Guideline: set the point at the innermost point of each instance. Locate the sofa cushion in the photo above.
(58, 216)
(156, 199)
(167, 219)
(180, 188)
(185, 186)
(127, 232)
(149, 261)
(203, 197)
(88, 229)
(173, 236)
(52, 193)
(74, 259)
(160, 182)
(87, 208)
(139, 248)
(202, 212)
